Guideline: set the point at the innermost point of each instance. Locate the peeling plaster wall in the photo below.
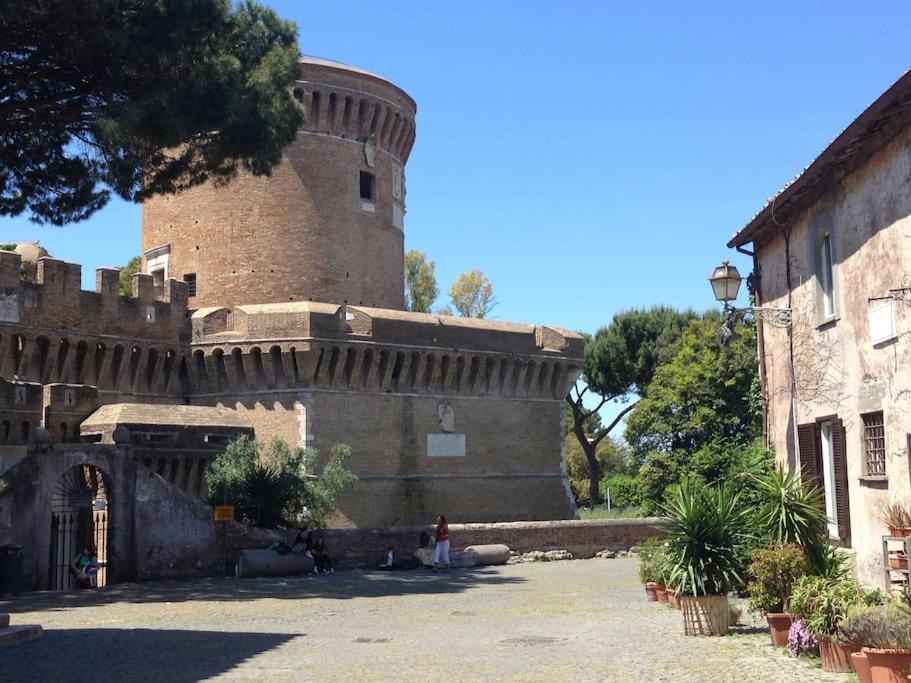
(838, 371)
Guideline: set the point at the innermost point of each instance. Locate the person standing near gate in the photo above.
(441, 551)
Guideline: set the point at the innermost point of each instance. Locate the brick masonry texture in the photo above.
(296, 324)
(301, 234)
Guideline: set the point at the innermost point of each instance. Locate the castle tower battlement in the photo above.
(327, 225)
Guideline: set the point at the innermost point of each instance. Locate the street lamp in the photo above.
(725, 281)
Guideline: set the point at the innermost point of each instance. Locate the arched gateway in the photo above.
(80, 517)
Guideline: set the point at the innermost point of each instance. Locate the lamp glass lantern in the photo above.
(725, 282)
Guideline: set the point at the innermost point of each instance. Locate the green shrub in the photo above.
(653, 560)
(824, 603)
(272, 488)
(624, 493)
(775, 571)
(709, 534)
(882, 626)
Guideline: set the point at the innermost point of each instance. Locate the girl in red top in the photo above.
(441, 551)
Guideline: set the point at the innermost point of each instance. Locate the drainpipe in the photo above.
(787, 269)
(760, 342)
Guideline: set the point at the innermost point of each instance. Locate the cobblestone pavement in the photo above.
(577, 621)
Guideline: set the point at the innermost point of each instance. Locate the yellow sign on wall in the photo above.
(224, 513)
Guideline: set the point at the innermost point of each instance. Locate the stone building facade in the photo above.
(279, 300)
(833, 247)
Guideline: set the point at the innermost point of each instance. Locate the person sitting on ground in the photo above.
(388, 563)
(91, 569)
(304, 541)
(301, 544)
(322, 563)
(424, 553)
(78, 567)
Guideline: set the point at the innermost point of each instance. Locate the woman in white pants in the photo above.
(441, 551)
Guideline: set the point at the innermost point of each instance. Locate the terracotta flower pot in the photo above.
(898, 561)
(861, 666)
(899, 531)
(779, 623)
(834, 656)
(651, 591)
(888, 666)
(672, 599)
(661, 593)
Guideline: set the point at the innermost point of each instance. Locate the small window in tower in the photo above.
(190, 279)
(368, 186)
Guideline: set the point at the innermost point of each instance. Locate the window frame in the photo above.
(879, 452)
(362, 174)
(191, 284)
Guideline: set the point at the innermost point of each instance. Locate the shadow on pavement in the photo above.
(106, 654)
(340, 586)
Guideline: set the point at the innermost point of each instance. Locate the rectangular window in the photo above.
(824, 464)
(826, 279)
(874, 443)
(827, 454)
(190, 279)
(368, 186)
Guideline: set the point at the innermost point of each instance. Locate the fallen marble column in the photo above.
(494, 553)
(269, 563)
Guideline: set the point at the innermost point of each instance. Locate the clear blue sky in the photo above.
(589, 157)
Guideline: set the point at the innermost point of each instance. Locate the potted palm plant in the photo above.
(794, 512)
(884, 632)
(775, 571)
(709, 532)
(824, 603)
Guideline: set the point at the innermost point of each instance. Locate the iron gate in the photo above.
(80, 518)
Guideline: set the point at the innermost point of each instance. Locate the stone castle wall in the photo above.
(466, 417)
(443, 414)
(304, 233)
(70, 350)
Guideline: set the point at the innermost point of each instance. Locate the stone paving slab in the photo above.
(14, 635)
(584, 620)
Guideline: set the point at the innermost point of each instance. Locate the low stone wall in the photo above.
(366, 547)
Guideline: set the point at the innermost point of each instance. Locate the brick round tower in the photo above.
(327, 225)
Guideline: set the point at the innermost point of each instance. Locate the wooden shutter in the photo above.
(810, 458)
(840, 474)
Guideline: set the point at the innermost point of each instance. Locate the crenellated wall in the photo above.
(53, 332)
(442, 413)
(315, 345)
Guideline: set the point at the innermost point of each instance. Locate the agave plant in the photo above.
(710, 530)
(793, 511)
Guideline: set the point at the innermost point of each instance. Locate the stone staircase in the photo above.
(13, 635)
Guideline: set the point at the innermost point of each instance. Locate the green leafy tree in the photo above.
(420, 282)
(472, 295)
(620, 360)
(613, 456)
(138, 98)
(126, 275)
(701, 395)
(273, 488)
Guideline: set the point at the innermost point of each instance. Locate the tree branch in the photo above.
(613, 424)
